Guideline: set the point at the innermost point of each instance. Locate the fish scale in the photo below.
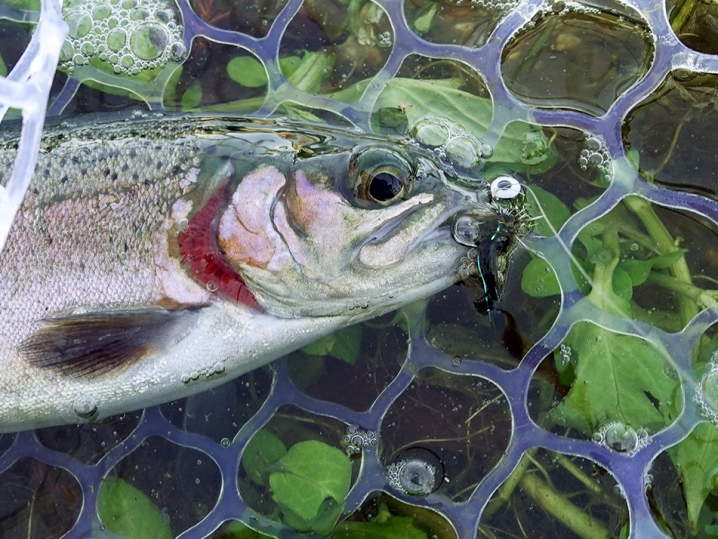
(64, 221)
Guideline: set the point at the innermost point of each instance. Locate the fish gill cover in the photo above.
(585, 404)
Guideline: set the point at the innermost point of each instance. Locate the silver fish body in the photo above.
(153, 259)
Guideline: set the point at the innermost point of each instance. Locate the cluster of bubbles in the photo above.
(594, 155)
(129, 35)
(451, 141)
(621, 438)
(534, 148)
(707, 394)
(417, 472)
(358, 439)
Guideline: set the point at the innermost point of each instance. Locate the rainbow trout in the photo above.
(156, 258)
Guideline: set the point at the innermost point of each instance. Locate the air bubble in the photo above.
(463, 152)
(707, 394)
(219, 367)
(466, 230)
(148, 41)
(534, 149)
(417, 472)
(682, 74)
(225, 442)
(486, 150)
(178, 50)
(116, 39)
(66, 52)
(139, 14)
(79, 25)
(101, 12)
(620, 437)
(430, 134)
(85, 406)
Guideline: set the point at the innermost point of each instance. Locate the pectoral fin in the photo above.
(94, 344)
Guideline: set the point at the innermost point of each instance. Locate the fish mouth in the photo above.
(408, 232)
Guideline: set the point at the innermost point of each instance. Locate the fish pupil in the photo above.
(384, 187)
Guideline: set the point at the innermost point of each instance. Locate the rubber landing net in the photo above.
(598, 418)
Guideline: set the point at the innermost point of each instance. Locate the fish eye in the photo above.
(383, 185)
(380, 176)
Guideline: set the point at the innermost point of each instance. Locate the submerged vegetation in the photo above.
(632, 276)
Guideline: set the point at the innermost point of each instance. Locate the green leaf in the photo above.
(622, 284)
(425, 17)
(638, 270)
(129, 512)
(192, 96)
(3, 67)
(618, 379)
(235, 529)
(247, 71)
(696, 458)
(289, 65)
(393, 528)
(344, 344)
(310, 473)
(263, 450)
(552, 211)
(539, 280)
(310, 72)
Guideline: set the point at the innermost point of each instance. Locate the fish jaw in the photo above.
(327, 257)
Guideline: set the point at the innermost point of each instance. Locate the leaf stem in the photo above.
(665, 244)
(682, 16)
(508, 487)
(560, 507)
(697, 295)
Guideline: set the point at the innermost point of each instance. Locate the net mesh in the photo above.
(195, 446)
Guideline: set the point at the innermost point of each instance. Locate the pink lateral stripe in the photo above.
(206, 261)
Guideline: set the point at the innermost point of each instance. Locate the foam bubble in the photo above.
(707, 394)
(143, 34)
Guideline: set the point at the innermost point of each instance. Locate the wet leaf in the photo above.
(309, 73)
(425, 17)
(129, 512)
(309, 485)
(696, 458)
(263, 450)
(394, 527)
(638, 270)
(344, 344)
(192, 96)
(237, 530)
(247, 71)
(619, 378)
(539, 280)
(550, 210)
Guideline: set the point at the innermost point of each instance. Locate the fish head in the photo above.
(359, 230)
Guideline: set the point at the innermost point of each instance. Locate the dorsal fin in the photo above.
(97, 343)
(205, 260)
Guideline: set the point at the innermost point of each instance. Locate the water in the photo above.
(583, 405)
